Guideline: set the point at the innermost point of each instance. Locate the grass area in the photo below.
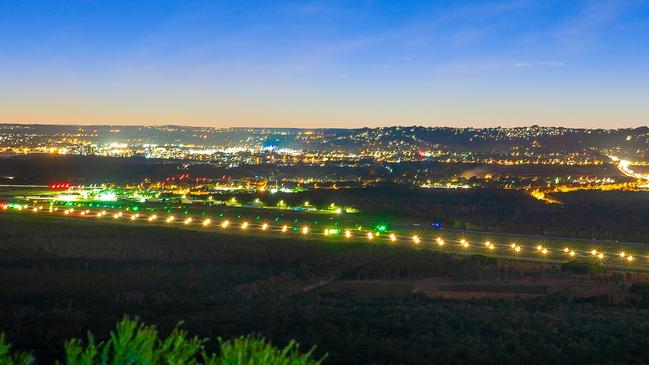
(556, 245)
(518, 289)
(528, 252)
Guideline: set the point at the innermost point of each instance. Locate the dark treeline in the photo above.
(45, 169)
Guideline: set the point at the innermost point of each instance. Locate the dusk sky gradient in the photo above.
(326, 63)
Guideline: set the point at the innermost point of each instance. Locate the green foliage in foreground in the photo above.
(134, 343)
(9, 358)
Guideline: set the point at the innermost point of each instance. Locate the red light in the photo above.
(59, 186)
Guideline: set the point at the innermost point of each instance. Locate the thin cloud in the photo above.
(545, 64)
(583, 30)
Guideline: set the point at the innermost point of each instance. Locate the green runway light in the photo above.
(381, 228)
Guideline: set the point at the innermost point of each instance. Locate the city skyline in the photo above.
(326, 64)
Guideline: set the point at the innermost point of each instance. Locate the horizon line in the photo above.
(166, 124)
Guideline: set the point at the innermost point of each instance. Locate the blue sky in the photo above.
(326, 63)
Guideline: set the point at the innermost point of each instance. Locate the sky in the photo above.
(326, 63)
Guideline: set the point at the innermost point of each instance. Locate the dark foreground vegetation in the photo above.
(357, 303)
(135, 343)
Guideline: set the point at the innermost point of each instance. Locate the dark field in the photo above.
(611, 215)
(359, 303)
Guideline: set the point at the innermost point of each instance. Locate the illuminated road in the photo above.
(625, 168)
(421, 239)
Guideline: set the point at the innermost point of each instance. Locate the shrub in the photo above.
(483, 259)
(134, 343)
(7, 358)
(257, 351)
(640, 288)
(580, 267)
